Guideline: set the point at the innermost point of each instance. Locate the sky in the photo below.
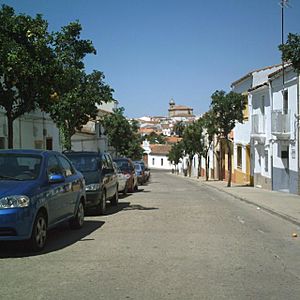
(153, 50)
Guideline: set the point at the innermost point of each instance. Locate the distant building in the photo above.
(179, 111)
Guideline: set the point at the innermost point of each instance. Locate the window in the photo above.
(67, 167)
(262, 108)
(53, 166)
(285, 154)
(285, 104)
(239, 156)
(266, 160)
(49, 143)
(161, 161)
(153, 161)
(109, 161)
(2, 143)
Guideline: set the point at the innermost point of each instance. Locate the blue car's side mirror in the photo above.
(56, 178)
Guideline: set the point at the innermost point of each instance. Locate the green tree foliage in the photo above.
(154, 138)
(76, 93)
(27, 64)
(176, 153)
(227, 110)
(291, 50)
(178, 128)
(210, 130)
(193, 142)
(122, 135)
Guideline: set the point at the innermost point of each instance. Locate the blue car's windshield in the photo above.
(14, 166)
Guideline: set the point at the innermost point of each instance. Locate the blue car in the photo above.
(38, 190)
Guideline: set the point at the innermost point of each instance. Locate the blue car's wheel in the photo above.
(78, 220)
(39, 232)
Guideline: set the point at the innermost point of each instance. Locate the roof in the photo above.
(250, 74)
(160, 149)
(288, 66)
(173, 139)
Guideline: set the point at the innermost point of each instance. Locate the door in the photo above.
(248, 169)
(71, 186)
(54, 192)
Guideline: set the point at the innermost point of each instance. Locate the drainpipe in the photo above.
(272, 140)
(297, 132)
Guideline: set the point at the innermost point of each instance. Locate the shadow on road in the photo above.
(58, 238)
(110, 210)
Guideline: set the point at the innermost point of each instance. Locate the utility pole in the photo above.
(283, 4)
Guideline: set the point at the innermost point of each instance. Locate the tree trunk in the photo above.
(229, 163)
(206, 166)
(10, 130)
(220, 162)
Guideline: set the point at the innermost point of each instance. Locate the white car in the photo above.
(122, 180)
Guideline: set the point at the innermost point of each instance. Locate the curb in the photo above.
(245, 200)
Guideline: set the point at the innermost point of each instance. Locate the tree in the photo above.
(175, 154)
(76, 107)
(76, 94)
(291, 50)
(122, 135)
(178, 128)
(210, 130)
(227, 110)
(193, 143)
(27, 65)
(154, 138)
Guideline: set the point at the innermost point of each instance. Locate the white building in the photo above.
(156, 155)
(243, 169)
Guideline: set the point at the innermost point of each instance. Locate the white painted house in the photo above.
(242, 166)
(156, 155)
(34, 130)
(285, 130)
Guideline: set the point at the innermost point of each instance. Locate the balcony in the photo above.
(280, 125)
(258, 127)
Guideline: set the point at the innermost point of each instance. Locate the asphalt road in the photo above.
(174, 239)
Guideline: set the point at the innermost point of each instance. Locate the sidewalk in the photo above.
(284, 205)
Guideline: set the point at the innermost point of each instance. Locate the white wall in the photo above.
(157, 162)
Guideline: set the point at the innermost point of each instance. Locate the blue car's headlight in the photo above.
(92, 187)
(14, 201)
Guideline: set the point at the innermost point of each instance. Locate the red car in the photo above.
(127, 167)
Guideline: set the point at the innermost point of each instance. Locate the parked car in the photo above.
(100, 178)
(122, 180)
(127, 167)
(38, 190)
(140, 173)
(147, 173)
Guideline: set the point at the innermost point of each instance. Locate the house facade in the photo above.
(285, 130)
(243, 167)
(34, 130)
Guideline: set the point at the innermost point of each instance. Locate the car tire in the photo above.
(131, 189)
(38, 238)
(125, 189)
(101, 206)
(78, 220)
(115, 199)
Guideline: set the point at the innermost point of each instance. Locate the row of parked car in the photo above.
(40, 189)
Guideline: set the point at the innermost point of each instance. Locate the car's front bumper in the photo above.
(15, 224)
(92, 198)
